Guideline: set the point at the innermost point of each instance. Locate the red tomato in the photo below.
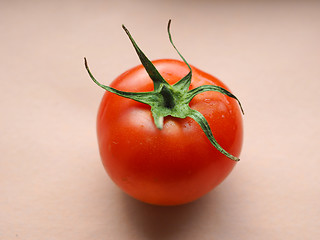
(174, 165)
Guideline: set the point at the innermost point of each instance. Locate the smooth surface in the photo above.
(52, 183)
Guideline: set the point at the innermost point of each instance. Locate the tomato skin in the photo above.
(174, 165)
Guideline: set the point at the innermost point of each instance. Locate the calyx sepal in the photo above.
(170, 100)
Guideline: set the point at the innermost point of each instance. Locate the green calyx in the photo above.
(170, 100)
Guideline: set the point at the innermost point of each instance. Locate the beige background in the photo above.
(52, 183)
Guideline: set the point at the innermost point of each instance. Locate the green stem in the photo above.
(167, 97)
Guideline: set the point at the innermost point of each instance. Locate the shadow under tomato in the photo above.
(173, 222)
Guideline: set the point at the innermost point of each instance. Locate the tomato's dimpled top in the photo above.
(176, 164)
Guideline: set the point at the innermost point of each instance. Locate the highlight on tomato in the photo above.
(168, 133)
